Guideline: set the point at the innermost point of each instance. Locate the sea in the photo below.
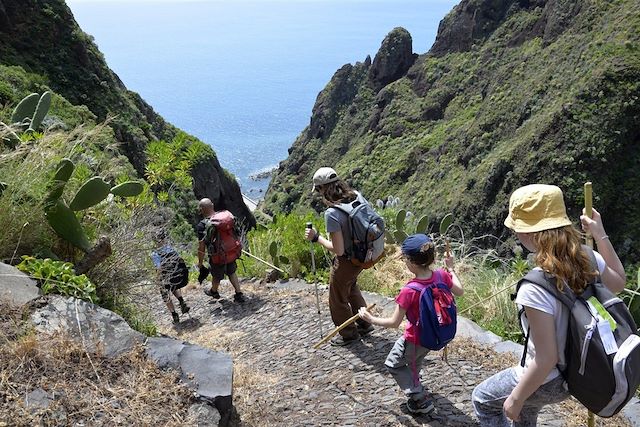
(243, 75)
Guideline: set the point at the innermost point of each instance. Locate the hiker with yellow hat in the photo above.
(538, 217)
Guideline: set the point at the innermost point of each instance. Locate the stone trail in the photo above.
(273, 334)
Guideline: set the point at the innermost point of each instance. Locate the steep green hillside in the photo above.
(512, 92)
(42, 39)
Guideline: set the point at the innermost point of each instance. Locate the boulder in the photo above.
(98, 329)
(209, 374)
(16, 288)
(393, 60)
(203, 415)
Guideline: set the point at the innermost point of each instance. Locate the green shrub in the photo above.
(287, 231)
(58, 277)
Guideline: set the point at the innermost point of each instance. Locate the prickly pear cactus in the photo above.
(42, 109)
(25, 109)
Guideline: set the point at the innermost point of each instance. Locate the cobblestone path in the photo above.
(280, 380)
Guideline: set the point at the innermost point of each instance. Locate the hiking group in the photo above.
(580, 339)
(218, 238)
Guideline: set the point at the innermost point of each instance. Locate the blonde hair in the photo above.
(559, 252)
(336, 192)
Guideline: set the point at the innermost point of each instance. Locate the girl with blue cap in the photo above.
(405, 359)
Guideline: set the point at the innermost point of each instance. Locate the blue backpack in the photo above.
(438, 314)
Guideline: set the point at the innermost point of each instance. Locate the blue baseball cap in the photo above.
(413, 244)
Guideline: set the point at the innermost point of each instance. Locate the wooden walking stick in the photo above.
(588, 211)
(341, 327)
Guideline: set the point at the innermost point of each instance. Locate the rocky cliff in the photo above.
(512, 92)
(43, 38)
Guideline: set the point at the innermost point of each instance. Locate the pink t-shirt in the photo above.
(409, 300)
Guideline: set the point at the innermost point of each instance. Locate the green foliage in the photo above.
(169, 164)
(631, 296)
(285, 234)
(276, 258)
(58, 277)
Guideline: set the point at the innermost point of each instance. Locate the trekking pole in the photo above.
(263, 261)
(588, 211)
(341, 327)
(315, 282)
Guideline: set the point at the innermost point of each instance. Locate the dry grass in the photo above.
(251, 387)
(128, 390)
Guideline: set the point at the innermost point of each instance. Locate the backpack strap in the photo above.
(420, 288)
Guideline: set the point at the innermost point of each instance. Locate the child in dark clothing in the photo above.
(405, 358)
(173, 274)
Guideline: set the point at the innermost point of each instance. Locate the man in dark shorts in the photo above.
(218, 271)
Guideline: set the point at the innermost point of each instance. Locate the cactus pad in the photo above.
(64, 170)
(41, 111)
(25, 109)
(64, 222)
(128, 189)
(91, 193)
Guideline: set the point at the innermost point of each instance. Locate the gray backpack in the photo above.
(367, 232)
(601, 375)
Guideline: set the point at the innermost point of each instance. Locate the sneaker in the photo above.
(341, 341)
(184, 308)
(176, 318)
(365, 330)
(424, 406)
(239, 297)
(212, 294)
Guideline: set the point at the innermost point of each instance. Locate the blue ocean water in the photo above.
(243, 75)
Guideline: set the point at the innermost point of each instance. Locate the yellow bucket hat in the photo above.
(536, 207)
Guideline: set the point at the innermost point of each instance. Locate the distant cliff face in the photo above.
(43, 38)
(512, 92)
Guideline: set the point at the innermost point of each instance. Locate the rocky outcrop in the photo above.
(393, 60)
(94, 327)
(211, 181)
(471, 21)
(332, 99)
(16, 288)
(209, 374)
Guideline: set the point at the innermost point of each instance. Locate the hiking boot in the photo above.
(423, 406)
(176, 318)
(212, 294)
(341, 341)
(365, 330)
(184, 308)
(239, 297)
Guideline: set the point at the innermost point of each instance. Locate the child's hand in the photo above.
(593, 225)
(365, 315)
(450, 262)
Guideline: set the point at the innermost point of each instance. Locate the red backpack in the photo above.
(222, 240)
